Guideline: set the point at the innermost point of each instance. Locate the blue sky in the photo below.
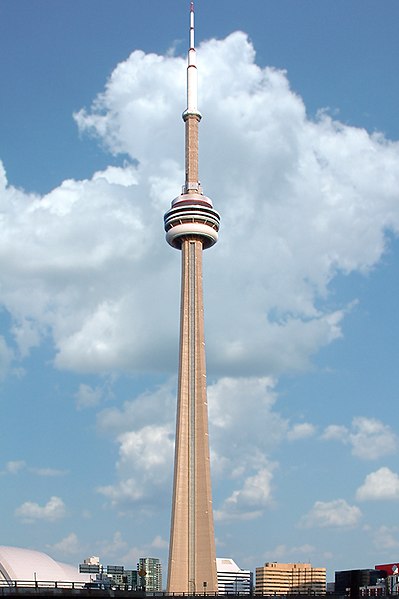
(299, 153)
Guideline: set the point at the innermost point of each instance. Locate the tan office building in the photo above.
(284, 579)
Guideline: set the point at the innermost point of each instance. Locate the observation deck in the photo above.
(191, 215)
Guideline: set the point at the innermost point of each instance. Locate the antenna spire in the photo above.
(192, 77)
(192, 115)
(192, 44)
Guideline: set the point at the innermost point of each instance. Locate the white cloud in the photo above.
(369, 438)
(249, 502)
(147, 447)
(244, 430)
(228, 395)
(157, 405)
(296, 553)
(15, 466)
(144, 431)
(69, 545)
(127, 491)
(88, 397)
(335, 514)
(386, 538)
(240, 441)
(53, 510)
(303, 430)
(159, 543)
(113, 547)
(372, 439)
(92, 262)
(6, 358)
(47, 472)
(147, 455)
(27, 334)
(119, 550)
(335, 432)
(379, 485)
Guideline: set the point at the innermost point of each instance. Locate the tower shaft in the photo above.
(192, 558)
(191, 152)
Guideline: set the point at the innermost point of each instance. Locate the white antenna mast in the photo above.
(192, 76)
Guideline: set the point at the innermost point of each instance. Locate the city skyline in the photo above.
(300, 314)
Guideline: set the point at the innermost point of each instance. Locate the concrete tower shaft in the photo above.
(191, 225)
(192, 121)
(192, 557)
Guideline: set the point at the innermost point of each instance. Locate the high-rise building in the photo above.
(282, 579)
(91, 565)
(192, 225)
(116, 574)
(231, 579)
(130, 578)
(150, 574)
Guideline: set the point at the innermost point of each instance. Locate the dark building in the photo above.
(349, 582)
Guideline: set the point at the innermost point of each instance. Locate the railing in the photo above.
(48, 584)
(85, 589)
(31, 586)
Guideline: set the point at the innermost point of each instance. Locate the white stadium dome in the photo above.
(30, 565)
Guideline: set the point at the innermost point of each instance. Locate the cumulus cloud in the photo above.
(386, 538)
(336, 432)
(335, 514)
(144, 431)
(87, 396)
(249, 501)
(69, 545)
(283, 552)
(302, 430)
(92, 262)
(147, 454)
(372, 439)
(53, 510)
(379, 485)
(369, 438)
(159, 543)
(115, 546)
(240, 441)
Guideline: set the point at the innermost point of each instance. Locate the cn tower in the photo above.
(192, 225)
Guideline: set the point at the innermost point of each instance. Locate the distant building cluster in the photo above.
(146, 577)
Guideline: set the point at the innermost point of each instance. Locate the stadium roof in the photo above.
(30, 565)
